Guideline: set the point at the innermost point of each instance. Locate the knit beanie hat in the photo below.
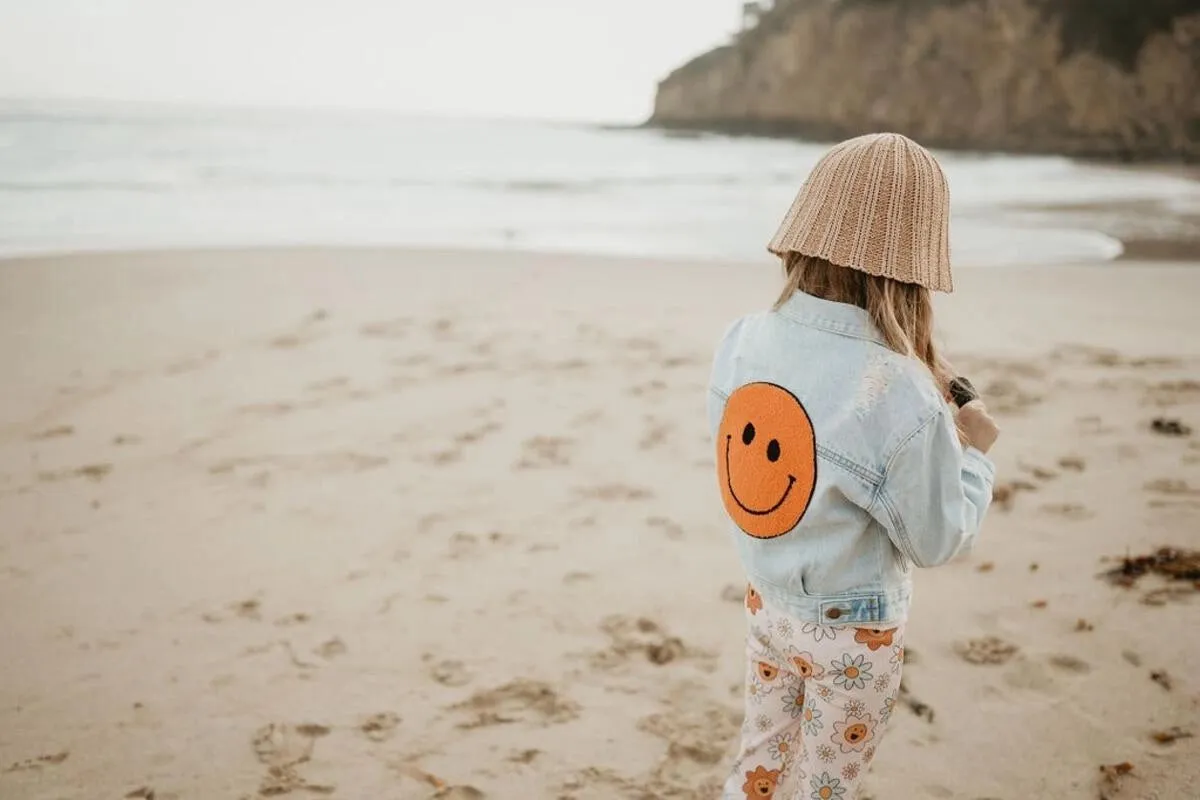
(879, 204)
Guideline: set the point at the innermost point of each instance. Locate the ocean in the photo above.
(107, 177)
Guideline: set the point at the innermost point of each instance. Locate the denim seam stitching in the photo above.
(830, 326)
(881, 496)
(872, 478)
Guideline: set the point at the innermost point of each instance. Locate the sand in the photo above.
(372, 524)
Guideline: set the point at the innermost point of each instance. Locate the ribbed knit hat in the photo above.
(879, 204)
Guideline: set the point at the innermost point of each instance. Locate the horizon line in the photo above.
(158, 104)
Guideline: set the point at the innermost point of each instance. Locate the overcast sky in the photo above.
(566, 59)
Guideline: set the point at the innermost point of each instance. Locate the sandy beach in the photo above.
(403, 524)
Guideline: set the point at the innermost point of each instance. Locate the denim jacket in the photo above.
(838, 462)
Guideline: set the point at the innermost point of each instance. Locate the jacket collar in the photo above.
(839, 318)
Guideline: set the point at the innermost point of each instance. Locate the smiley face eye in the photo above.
(773, 450)
(748, 433)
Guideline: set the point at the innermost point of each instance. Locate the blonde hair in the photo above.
(902, 312)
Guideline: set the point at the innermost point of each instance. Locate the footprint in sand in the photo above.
(1173, 492)
(54, 433)
(518, 701)
(734, 594)
(281, 749)
(648, 388)
(695, 733)
(1071, 511)
(1007, 396)
(245, 609)
(38, 762)
(615, 491)
(325, 385)
(193, 363)
(255, 468)
(305, 332)
(1092, 425)
(1005, 494)
(670, 528)
(1072, 463)
(657, 433)
(441, 458)
(93, 472)
(330, 649)
(466, 368)
(1171, 486)
(277, 409)
(379, 727)
(457, 793)
(477, 434)
(587, 419)
(1069, 663)
(1040, 473)
(641, 637)
(546, 451)
(450, 673)
(390, 329)
(1172, 393)
(456, 452)
(289, 341)
(987, 650)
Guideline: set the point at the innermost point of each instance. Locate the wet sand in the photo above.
(415, 524)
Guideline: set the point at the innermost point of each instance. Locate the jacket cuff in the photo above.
(976, 461)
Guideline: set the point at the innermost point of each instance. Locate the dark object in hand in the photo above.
(962, 391)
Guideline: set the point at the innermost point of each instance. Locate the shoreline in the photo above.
(1136, 249)
(443, 524)
(824, 134)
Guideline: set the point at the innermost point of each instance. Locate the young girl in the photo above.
(842, 464)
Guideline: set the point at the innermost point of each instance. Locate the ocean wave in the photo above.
(221, 179)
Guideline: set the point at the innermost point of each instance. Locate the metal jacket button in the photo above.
(833, 613)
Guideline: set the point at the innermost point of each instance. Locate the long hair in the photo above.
(902, 312)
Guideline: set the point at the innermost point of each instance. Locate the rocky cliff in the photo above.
(1091, 78)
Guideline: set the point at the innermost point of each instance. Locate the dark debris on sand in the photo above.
(1169, 562)
(1110, 778)
(1170, 735)
(1170, 427)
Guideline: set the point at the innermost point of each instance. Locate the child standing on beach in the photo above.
(841, 464)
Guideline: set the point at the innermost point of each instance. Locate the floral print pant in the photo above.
(818, 699)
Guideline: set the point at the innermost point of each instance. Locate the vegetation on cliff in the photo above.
(1105, 78)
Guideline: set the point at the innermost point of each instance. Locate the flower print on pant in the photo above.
(782, 748)
(852, 734)
(818, 632)
(874, 638)
(818, 700)
(851, 672)
(805, 665)
(826, 787)
(793, 700)
(761, 782)
(812, 719)
(754, 602)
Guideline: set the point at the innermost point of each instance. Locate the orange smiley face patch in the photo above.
(766, 459)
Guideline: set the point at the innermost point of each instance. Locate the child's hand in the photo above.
(976, 426)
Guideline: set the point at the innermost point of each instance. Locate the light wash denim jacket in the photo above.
(839, 463)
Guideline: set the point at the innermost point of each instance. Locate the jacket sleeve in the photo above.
(934, 493)
(716, 409)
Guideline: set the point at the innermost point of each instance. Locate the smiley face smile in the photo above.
(733, 494)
